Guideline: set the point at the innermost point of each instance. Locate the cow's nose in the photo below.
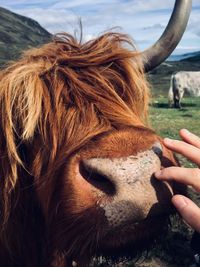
(113, 175)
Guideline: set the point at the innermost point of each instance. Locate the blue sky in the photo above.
(144, 20)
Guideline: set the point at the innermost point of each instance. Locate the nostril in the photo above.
(96, 178)
(157, 149)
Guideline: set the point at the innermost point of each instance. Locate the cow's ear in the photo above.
(21, 103)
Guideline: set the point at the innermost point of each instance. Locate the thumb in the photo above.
(189, 211)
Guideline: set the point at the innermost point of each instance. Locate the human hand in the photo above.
(190, 148)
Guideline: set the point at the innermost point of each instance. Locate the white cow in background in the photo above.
(183, 82)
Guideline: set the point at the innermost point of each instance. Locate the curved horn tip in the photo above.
(162, 49)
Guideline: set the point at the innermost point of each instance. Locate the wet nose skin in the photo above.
(134, 192)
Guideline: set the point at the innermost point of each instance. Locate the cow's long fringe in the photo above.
(57, 92)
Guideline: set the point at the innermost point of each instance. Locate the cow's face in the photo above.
(74, 118)
(107, 198)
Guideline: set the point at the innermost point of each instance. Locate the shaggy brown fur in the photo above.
(54, 101)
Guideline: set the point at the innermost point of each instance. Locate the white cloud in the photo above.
(88, 37)
(83, 3)
(144, 20)
(52, 20)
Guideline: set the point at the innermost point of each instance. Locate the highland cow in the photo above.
(78, 155)
(183, 82)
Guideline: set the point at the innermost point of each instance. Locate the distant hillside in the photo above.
(18, 33)
(195, 56)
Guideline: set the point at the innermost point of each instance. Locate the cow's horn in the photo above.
(163, 48)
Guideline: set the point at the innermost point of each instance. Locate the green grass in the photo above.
(168, 121)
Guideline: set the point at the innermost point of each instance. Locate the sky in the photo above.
(144, 20)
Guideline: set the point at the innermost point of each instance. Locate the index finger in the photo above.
(182, 175)
(189, 151)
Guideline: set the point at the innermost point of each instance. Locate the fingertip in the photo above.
(179, 202)
(165, 174)
(188, 210)
(184, 132)
(167, 141)
(158, 174)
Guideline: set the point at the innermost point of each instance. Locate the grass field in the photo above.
(168, 121)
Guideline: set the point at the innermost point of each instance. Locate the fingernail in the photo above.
(168, 141)
(179, 202)
(186, 131)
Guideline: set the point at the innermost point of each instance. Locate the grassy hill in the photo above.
(193, 57)
(18, 33)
